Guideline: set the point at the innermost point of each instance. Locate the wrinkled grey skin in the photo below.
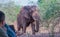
(28, 15)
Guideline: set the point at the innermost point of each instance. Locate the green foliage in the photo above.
(49, 8)
(11, 10)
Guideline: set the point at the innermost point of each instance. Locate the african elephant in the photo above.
(28, 15)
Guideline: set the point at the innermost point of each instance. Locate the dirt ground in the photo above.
(42, 33)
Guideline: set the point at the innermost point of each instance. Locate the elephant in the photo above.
(28, 15)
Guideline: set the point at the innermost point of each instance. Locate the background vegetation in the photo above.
(49, 11)
(11, 10)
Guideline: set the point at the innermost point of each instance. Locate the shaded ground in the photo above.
(40, 35)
